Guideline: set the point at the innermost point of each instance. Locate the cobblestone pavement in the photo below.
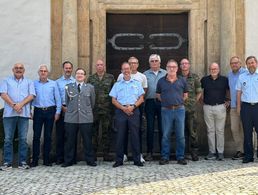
(202, 177)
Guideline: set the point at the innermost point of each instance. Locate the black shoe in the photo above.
(34, 164)
(59, 162)
(163, 161)
(92, 164)
(47, 164)
(149, 157)
(139, 164)
(66, 165)
(239, 155)
(247, 160)
(182, 162)
(117, 164)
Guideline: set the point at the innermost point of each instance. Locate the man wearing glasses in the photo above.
(152, 105)
(17, 93)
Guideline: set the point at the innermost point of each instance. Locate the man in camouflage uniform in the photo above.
(102, 83)
(194, 94)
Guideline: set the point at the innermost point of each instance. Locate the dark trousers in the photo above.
(249, 117)
(141, 107)
(40, 118)
(71, 132)
(132, 123)
(191, 130)
(152, 109)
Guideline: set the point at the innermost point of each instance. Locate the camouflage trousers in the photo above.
(191, 130)
(102, 133)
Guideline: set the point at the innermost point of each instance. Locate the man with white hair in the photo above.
(47, 108)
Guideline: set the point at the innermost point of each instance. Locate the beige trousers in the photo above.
(237, 129)
(215, 118)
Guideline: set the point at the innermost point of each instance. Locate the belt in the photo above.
(46, 108)
(174, 107)
(251, 104)
(217, 104)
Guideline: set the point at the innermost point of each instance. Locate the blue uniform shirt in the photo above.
(248, 85)
(61, 83)
(17, 90)
(152, 80)
(47, 94)
(232, 81)
(127, 92)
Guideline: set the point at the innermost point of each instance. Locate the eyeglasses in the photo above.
(234, 62)
(184, 63)
(43, 71)
(154, 61)
(133, 62)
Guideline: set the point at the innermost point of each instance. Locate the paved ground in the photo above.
(203, 177)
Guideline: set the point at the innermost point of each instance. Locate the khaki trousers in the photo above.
(215, 118)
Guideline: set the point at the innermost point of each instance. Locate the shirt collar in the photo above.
(70, 78)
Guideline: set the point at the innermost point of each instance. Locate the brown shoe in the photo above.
(194, 156)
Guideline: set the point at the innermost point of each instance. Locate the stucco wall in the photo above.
(24, 35)
(251, 28)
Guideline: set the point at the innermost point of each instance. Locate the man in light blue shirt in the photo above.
(127, 96)
(236, 125)
(61, 83)
(152, 105)
(47, 108)
(17, 93)
(247, 105)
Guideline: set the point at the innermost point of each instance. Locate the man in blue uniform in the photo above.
(247, 105)
(127, 96)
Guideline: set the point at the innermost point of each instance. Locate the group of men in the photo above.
(169, 95)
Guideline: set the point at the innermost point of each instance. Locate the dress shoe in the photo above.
(139, 164)
(66, 165)
(117, 164)
(194, 156)
(247, 160)
(92, 164)
(164, 161)
(182, 162)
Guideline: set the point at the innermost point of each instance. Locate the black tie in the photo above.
(79, 87)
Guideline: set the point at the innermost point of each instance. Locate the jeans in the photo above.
(173, 119)
(152, 109)
(10, 124)
(40, 118)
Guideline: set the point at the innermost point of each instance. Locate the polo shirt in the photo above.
(171, 93)
(214, 91)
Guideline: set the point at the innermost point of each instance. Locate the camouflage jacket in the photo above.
(102, 87)
(194, 87)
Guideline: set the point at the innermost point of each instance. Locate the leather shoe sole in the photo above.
(139, 164)
(66, 165)
(92, 164)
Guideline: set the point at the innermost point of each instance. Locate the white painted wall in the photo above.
(251, 13)
(24, 35)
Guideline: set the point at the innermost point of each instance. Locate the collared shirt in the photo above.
(127, 92)
(138, 77)
(17, 90)
(248, 85)
(47, 94)
(61, 83)
(152, 80)
(172, 93)
(232, 81)
(214, 91)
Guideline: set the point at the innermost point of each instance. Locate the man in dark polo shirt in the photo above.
(172, 91)
(215, 90)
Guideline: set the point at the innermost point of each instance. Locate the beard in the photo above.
(252, 69)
